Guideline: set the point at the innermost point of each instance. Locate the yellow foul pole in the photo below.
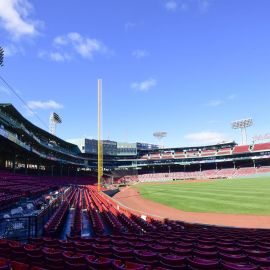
(100, 145)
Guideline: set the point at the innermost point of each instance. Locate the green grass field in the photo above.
(235, 196)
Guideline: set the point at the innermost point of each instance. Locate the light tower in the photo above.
(100, 144)
(54, 120)
(160, 135)
(1, 56)
(243, 125)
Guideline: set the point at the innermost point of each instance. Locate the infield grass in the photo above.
(231, 196)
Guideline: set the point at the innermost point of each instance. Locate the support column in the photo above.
(38, 167)
(14, 163)
(254, 163)
(25, 166)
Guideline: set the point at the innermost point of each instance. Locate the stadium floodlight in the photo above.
(243, 125)
(54, 120)
(1, 56)
(160, 135)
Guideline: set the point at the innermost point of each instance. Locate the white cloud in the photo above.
(219, 102)
(58, 57)
(12, 49)
(140, 53)
(14, 18)
(144, 86)
(84, 46)
(55, 56)
(214, 103)
(50, 104)
(129, 25)
(66, 47)
(201, 5)
(171, 5)
(60, 40)
(206, 137)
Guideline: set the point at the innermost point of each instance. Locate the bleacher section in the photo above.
(261, 147)
(241, 149)
(197, 175)
(207, 153)
(179, 155)
(224, 151)
(242, 172)
(123, 240)
(15, 187)
(234, 150)
(192, 154)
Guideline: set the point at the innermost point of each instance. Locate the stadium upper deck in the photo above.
(216, 152)
(26, 146)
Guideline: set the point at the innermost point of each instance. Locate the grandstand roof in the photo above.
(10, 110)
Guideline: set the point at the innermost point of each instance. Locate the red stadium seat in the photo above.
(4, 264)
(18, 266)
(98, 263)
(120, 265)
(234, 266)
(201, 264)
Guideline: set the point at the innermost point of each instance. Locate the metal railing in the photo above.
(22, 228)
(19, 228)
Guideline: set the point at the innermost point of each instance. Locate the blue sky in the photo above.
(188, 67)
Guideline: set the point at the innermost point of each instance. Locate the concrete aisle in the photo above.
(66, 228)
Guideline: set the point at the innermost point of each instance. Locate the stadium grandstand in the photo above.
(24, 146)
(53, 217)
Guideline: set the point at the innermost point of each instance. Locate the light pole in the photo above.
(243, 125)
(159, 135)
(54, 120)
(100, 142)
(1, 56)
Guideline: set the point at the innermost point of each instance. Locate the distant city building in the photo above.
(125, 149)
(146, 146)
(111, 148)
(90, 146)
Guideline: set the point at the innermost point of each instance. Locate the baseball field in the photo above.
(235, 196)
